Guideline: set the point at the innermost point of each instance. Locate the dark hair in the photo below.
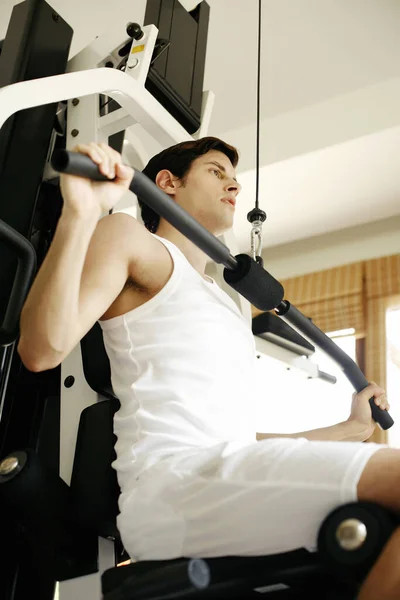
(178, 159)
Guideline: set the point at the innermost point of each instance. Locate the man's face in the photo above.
(209, 192)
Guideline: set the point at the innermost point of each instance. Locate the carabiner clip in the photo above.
(256, 241)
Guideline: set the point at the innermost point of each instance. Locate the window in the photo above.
(288, 401)
(393, 372)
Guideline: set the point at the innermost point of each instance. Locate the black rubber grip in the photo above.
(253, 282)
(75, 163)
(360, 382)
(380, 416)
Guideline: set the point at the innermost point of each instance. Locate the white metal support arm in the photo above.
(130, 94)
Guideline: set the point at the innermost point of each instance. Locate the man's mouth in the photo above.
(230, 201)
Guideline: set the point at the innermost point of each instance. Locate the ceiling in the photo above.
(330, 91)
(312, 50)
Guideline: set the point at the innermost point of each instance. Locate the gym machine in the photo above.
(58, 492)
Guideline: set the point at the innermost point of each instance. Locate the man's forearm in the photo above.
(347, 431)
(53, 300)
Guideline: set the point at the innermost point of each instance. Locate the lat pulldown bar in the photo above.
(241, 272)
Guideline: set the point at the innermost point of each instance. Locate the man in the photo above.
(194, 480)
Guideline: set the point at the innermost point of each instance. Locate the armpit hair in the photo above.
(132, 285)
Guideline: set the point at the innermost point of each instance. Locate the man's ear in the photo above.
(167, 182)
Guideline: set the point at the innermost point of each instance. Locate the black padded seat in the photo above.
(225, 577)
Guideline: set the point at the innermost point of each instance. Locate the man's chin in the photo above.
(221, 230)
(220, 227)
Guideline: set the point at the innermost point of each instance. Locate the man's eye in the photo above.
(217, 172)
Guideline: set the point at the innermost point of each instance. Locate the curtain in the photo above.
(382, 277)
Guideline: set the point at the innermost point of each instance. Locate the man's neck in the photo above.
(194, 255)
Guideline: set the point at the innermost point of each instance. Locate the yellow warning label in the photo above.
(136, 49)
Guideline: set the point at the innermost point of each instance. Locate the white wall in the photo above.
(373, 240)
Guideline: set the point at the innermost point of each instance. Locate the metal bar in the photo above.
(115, 122)
(290, 314)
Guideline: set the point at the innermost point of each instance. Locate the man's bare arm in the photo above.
(358, 427)
(348, 431)
(86, 266)
(85, 269)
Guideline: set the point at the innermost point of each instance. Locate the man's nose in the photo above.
(233, 186)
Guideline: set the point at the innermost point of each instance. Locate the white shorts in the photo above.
(266, 497)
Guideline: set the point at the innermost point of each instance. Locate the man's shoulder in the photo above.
(128, 230)
(150, 263)
(122, 221)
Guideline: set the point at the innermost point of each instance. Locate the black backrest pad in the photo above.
(96, 366)
(94, 483)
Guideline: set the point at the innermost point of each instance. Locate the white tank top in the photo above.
(182, 367)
